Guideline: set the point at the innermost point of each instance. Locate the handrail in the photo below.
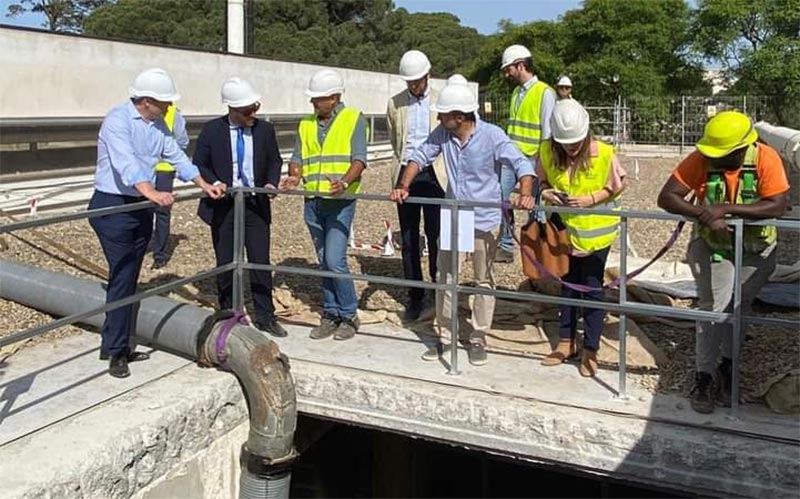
(622, 307)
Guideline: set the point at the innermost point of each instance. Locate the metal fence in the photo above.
(623, 307)
(672, 122)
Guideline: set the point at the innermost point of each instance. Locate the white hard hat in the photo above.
(569, 122)
(456, 97)
(325, 82)
(457, 79)
(155, 83)
(513, 54)
(564, 81)
(414, 65)
(237, 92)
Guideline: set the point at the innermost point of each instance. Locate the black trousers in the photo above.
(257, 240)
(124, 238)
(426, 186)
(587, 270)
(164, 183)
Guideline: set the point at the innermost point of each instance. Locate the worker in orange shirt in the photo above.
(730, 174)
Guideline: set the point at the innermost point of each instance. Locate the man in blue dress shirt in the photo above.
(132, 139)
(474, 152)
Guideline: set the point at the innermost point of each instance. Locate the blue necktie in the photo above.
(240, 155)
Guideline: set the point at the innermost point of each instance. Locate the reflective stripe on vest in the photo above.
(331, 160)
(756, 238)
(587, 233)
(169, 119)
(524, 123)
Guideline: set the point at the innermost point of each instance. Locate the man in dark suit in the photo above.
(239, 150)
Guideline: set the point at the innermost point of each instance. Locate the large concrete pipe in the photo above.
(784, 140)
(192, 332)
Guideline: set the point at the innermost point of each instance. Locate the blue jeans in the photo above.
(329, 223)
(508, 179)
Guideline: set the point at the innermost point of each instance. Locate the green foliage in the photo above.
(757, 43)
(62, 15)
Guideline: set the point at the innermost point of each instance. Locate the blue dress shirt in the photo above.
(473, 168)
(128, 147)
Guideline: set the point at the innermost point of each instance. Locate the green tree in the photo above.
(757, 43)
(61, 15)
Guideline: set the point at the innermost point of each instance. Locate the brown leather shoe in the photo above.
(565, 349)
(588, 366)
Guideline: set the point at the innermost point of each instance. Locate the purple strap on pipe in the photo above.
(528, 254)
(238, 317)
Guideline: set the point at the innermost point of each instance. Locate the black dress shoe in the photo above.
(132, 356)
(118, 366)
(272, 327)
(413, 311)
(159, 264)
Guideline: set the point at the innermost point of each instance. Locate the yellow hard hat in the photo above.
(726, 132)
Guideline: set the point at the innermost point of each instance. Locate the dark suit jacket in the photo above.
(213, 157)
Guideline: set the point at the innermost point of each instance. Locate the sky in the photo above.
(482, 15)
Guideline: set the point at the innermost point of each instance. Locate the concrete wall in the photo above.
(50, 75)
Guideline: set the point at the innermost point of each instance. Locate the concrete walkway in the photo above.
(62, 411)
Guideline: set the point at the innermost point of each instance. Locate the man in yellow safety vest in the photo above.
(529, 114)
(165, 178)
(329, 156)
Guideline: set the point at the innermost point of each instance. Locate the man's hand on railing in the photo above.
(214, 191)
(710, 213)
(288, 182)
(271, 194)
(399, 194)
(161, 198)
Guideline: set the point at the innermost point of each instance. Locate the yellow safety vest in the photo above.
(332, 159)
(587, 233)
(524, 123)
(756, 237)
(169, 119)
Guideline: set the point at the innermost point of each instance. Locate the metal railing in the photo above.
(623, 307)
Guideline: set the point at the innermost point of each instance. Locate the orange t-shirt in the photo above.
(772, 180)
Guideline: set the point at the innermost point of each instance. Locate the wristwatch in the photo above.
(345, 184)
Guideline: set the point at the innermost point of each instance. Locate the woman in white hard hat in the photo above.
(579, 172)
(564, 87)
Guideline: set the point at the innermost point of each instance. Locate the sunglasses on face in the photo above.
(246, 111)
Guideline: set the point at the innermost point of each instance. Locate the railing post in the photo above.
(623, 317)
(738, 227)
(372, 129)
(454, 288)
(683, 123)
(238, 246)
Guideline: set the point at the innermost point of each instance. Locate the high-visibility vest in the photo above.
(331, 160)
(587, 233)
(169, 119)
(524, 123)
(756, 238)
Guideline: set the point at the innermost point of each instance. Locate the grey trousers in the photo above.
(715, 293)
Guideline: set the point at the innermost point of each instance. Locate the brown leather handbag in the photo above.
(548, 243)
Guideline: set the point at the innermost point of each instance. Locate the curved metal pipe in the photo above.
(195, 333)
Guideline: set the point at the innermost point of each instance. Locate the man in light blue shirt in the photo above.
(132, 140)
(474, 152)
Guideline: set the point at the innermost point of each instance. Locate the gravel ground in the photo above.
(291, 245)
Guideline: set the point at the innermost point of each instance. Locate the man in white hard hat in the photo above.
(240, 150)
(531, 106)
(564, 87)
(410, 117)
(474, 152)
(132, 139)
(165, 180)
(329, 156)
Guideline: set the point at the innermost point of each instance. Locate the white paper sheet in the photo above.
(466, 229)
